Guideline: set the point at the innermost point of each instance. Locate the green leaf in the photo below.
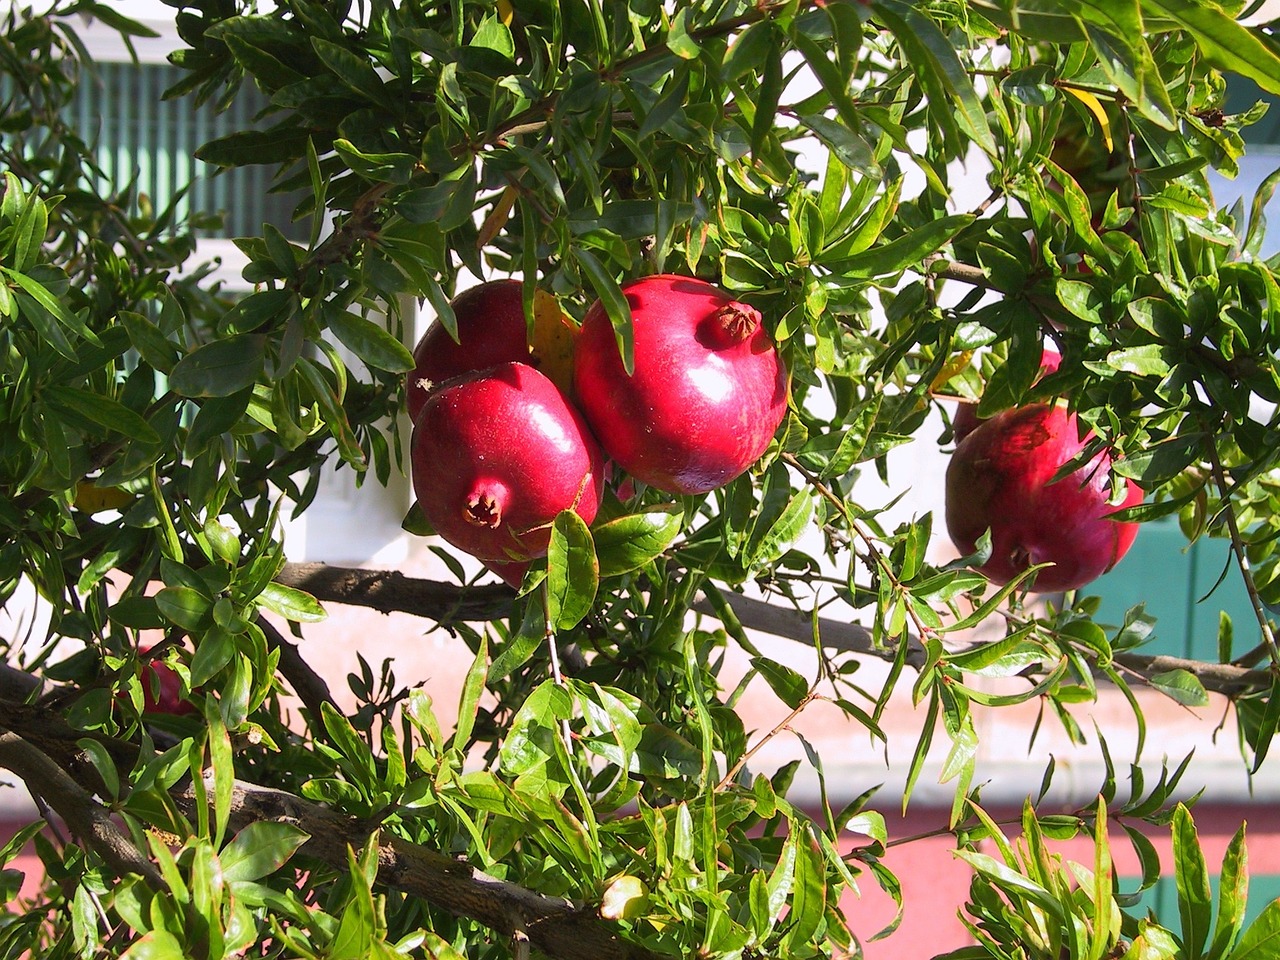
(1233, 896)
(369, 341)
(103, 411)
(897, 255)
(628, 543)
(220, 368)
(259, 849)
(615, 305)
(183, 606)
(1227, 44)
(789, 685)
(472, 688)
(354, 71)
(155, 945)
(1182, 686)
(291, 603)
(1192, 879)
(933, 56)
(1261, 941)
(573, 573)
(809, 894)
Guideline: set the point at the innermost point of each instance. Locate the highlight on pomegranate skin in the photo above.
(496, 455)
(491, 330)
(708, 392)
(999, 478)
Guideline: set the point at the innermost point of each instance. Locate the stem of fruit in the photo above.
(860, 532)
(1242, 561)
(554, 653)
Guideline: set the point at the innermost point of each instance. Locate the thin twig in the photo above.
(729, 777)
(1242, 561)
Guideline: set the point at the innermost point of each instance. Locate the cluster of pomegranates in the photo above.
(1001, 478)
(499, 449)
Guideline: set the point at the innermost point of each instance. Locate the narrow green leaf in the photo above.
(1182, 686)
(104, 411)
(1192, 879)
(615, 305)
(369, 341)
(291, 603)
(1233, 896)
(629, 542)
(897, 255)
(221, 367)
(183, 606)
(573, 572)
(472, 688)
(927, 48)
(789, 685)
(1261, 941)
(259, 849)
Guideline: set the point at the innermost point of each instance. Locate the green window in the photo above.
(1177, 584)
(1162, 899)
(119, 111)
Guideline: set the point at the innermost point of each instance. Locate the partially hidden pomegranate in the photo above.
(496, 455)
(999, 479)
(707, 394)
(491, 330)
(161, 687)
(966, 417)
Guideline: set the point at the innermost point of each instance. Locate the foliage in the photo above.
(154, 428)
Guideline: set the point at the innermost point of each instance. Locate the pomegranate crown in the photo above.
(734, 322)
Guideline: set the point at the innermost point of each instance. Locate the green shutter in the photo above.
(1173, 580)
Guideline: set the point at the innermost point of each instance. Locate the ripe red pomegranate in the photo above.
(496, 455)
(491, 330)
(708, 392)
(999, 478)
(966, 417)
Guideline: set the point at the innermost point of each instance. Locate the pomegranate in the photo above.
(966, 417)
(162, 688)
(492, 330)
(496, 455)
(707, 394)
(999, 479)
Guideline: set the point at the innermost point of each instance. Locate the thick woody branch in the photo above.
(87, 819)
(389, 591)
(554, 926)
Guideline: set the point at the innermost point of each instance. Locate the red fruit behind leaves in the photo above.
(496, 455)
(708, 392)
(162, 689)
(999, 478)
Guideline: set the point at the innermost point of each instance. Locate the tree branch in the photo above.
(87, 819)
(389, 591)
(553, 925)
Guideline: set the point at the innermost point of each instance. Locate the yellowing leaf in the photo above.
(505, 12)
(554, 339)
(94, 499)
(1097, 109)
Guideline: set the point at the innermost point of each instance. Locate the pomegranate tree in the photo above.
(707, 393)
(1001, 478)
(496, 455)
